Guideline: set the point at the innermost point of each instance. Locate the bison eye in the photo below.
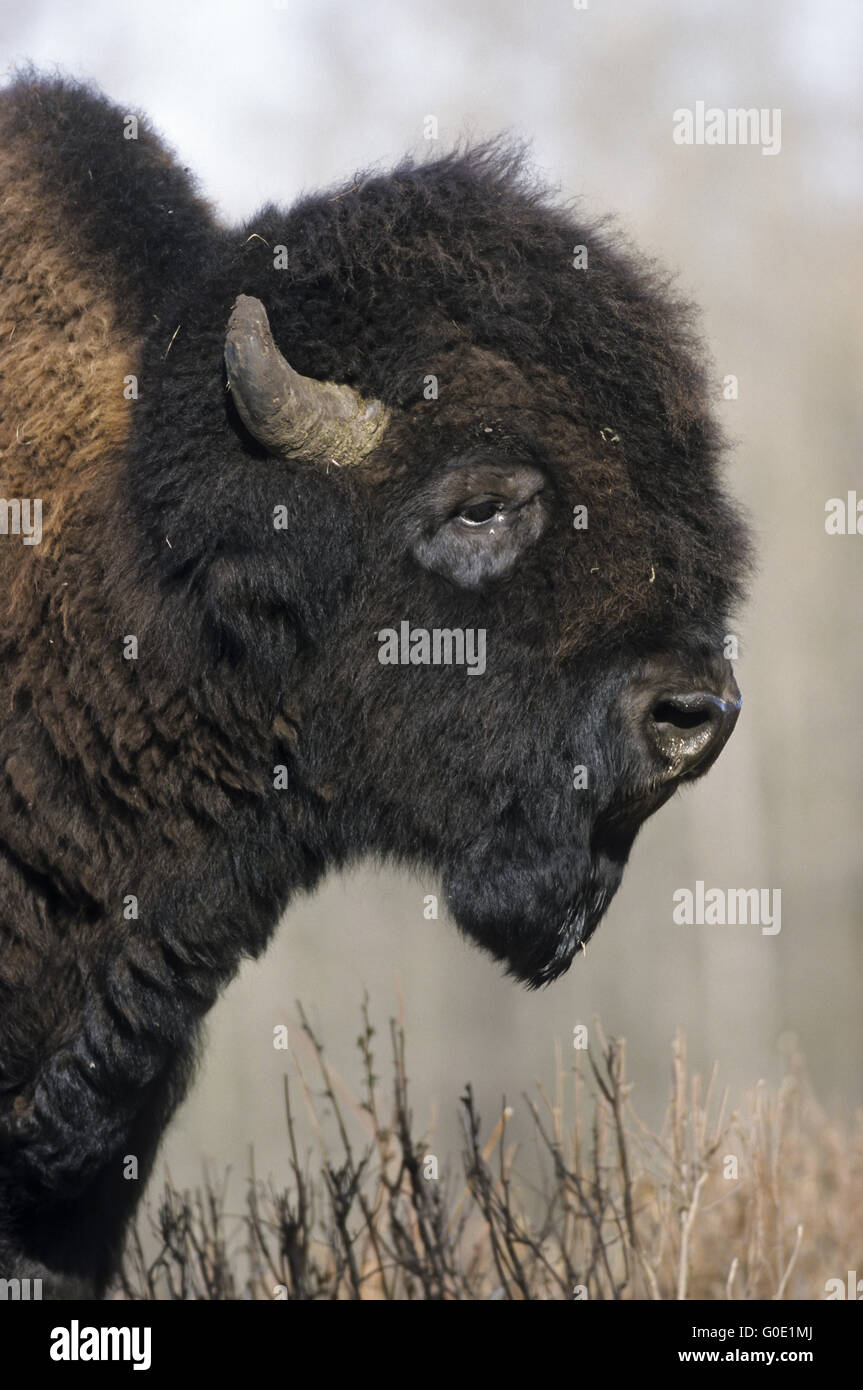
(476, 518)
(480, 513)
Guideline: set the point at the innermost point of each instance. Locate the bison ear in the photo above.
(283, 541)
(293, 416)
(281, 578)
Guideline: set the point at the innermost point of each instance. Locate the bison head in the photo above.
(514, 491)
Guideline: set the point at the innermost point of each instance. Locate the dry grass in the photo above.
(620, 1213)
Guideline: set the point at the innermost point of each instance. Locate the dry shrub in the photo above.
(620, 1212)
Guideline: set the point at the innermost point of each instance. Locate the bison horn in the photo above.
(294, 416)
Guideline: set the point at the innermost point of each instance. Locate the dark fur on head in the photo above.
(258, 647)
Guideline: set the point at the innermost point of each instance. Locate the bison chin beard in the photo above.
(532, 917)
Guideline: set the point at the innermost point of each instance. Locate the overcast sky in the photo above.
(264, 99)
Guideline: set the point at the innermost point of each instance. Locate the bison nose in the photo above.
(688, 730)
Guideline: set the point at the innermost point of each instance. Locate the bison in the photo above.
(268, 492)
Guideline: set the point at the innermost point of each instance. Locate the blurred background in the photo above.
(264, 101)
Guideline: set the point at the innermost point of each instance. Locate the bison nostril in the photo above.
(671, 713)
(689, 730)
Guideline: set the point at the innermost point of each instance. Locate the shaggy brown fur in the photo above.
(63, 354)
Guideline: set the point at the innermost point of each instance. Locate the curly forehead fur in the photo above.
(166, 649)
